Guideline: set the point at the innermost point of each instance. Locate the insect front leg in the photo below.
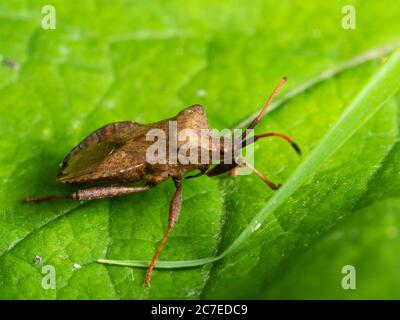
(270, 184)
(235, 167)
(94, 193)
(174, 211)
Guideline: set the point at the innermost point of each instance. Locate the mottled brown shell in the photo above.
(117, 152)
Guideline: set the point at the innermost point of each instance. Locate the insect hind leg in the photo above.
(94, 193)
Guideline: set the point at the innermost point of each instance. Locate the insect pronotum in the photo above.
(116, 154)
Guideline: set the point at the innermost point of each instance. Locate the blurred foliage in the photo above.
(144, 61)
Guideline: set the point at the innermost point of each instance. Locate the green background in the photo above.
(146, 60)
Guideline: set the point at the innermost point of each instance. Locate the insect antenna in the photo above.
(264, 109)
(273, 134)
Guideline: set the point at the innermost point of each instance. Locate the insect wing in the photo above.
(101, 144)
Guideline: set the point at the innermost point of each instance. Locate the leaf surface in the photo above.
(141, 61)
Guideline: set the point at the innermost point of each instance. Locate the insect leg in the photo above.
(272, 185)
(220, 169)
(234, 167)
(234, 172)
(202, 172)
(94, 193)
(174, 210)
(273, 134)
(51, 197)
(215, 171)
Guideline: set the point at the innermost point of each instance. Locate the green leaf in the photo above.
(143, 61)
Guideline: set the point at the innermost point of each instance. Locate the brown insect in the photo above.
(116, 153)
